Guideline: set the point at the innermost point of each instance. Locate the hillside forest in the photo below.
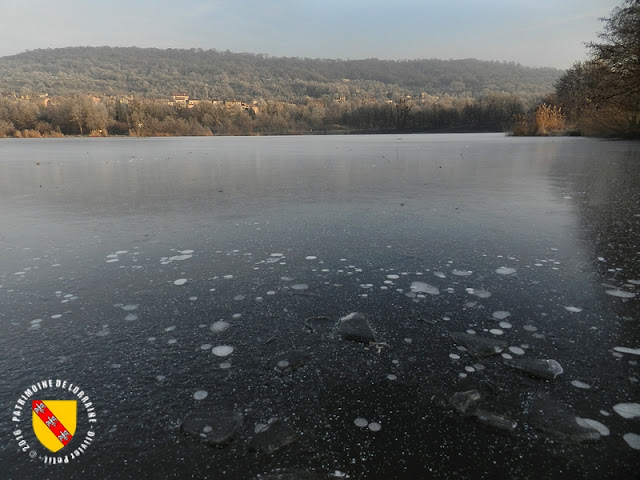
(134, 91)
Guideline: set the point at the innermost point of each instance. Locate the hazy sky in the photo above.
(536, 33)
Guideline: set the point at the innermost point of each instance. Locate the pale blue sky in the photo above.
(537, 33)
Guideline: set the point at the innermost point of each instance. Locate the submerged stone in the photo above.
(558, 422)
(213, 428)
(461, 401)
(355, 327)
(538, 368)
(289, 361)
(274, 436)
(479, 346)
(494, 422)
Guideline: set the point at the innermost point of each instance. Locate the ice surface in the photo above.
(222, 350)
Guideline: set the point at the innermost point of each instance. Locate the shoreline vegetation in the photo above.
(293, 96)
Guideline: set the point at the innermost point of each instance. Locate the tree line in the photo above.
(601, 96)
(212, 74)
(83, 115)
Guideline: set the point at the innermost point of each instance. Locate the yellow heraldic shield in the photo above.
(54, 422)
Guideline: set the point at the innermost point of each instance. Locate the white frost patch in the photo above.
(627, 410)
(505, 325)
(131, 317)
(179, 258)
(633, 440)
(588, 423)
(375, 427)
(392, 377)
(393, 277)
(225, 365)
(56, 316)
(200, 395)
(516, 350)
(505, 270)
(496, 331)
(579, 384)
(310, 257)
(470, 369)
(219, 326)
(186, 252)
(180, 281)
(530, 328)
(271, 292)
(111, 260)
(632, 351)
(239, 297)
(439, 274)
(479, 293)
(128, 308)
(172, 341)
(461, 273)
(170, 329)
(620, 293)
(500, 314)
(421, 287)
(228, 277)
(300, 286)
(277, 255)
(454, 356)
(506, 356)
(205, 346)
(573, 309)
(222, 350)
(634, 282)
(361, 422)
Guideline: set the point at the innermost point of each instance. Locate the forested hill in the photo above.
(225, 75)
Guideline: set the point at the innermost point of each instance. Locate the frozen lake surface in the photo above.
(425, 306)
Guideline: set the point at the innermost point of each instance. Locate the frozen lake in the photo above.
(190, 285)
